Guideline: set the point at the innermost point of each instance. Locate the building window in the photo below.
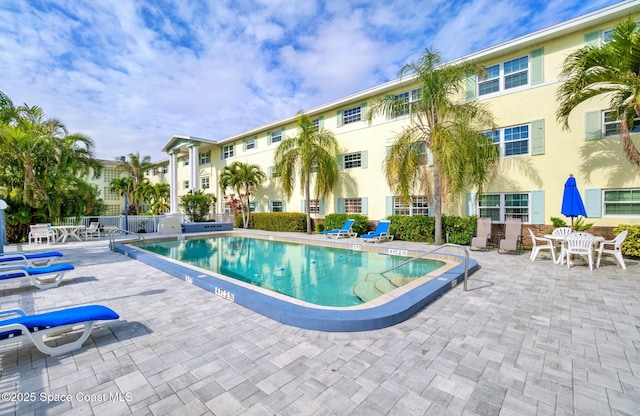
(511, 141)
(205, 182)
(406, 100)
(622, 202)
(417, 206)
(612, 126)
(165, 169)
(314, 206)
(276, 136)
(250, 143)
(108, 195)
(504, 76)
(205, 158)
(227, 151)
(499, 207)
(185, 161)
(316, 123)
(109, 174)
(352, 160)
(155, 171)
(252, 206)
(147, 173)
(351, 115)
(185, 184)
(273, 173)
(353, 205)
(276, 206)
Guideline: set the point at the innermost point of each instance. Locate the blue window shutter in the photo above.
(593, 38)
(537, 207)
(339, 118)
(340, 162)
(365, 205)
(302, 206)
(321, 203)
(363, 111)
(340, 205)
(321, 122)
(593, 203)
(470, 87)
(221, 154)
(389, 205)
(537, 66)
(269, 206)
(470, 204)
(364, 159)
(593, 125)
(284, 209)
(429, 157)
(244, 144)
(268, 137)
(537, 137)
(255, 142)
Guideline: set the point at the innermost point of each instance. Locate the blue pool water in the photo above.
(321, 275)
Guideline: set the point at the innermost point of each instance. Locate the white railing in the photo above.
(133, 223)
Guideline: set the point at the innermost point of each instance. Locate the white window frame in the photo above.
(352, 115)
(634, 202)
(501, 139)
(355, 160)
(250, 143)
(497, 72)
(418, 206)
(276, 136)
(615, 125)
(502, 209)
(205, 158)
(205, 182)
(409, 98)
(227, 151)
(279, 204)
(185, 184)
(314, 206)
(353, 205)
(165, 169)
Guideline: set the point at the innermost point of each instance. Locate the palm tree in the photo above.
(311, 150)
(244, 179)
(136, 166)
(156, 196)
(612, 70)
(123, 186)
(463, 156)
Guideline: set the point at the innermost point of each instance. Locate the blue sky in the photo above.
(130, 74)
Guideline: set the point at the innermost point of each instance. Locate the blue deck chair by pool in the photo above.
(44, 277)
(16, 326)
(345, 231)
(381, 233)
(44, 258)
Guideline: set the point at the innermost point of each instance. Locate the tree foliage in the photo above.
(243, 179)
(197, 205)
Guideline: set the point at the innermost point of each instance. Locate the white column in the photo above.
(193, 167)
(173, 182)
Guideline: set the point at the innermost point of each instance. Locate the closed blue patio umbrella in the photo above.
(572, 205)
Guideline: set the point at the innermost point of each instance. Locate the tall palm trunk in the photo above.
(437, 201)
(307, 202)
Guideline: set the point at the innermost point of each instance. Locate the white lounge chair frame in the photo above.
(615, 249)
(93, 230)
(41, 281)
(342, 232)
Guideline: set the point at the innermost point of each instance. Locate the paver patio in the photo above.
(528, 338)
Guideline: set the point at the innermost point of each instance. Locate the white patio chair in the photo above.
(93, 230)
(39, 232)
(579, 244)
(613, 247)
(540, 243)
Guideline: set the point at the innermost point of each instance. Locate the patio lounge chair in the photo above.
(44, 258)
(539, 244)
(512, 240)
(93, 230)
(483, 239)
(345, 231)
(580, 244)
(613, 247)
(381, 232)
(16, 326)
(44, 277)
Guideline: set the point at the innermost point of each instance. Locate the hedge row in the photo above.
(631, 245)
(336, 221)
(275, 221)
(460, 230)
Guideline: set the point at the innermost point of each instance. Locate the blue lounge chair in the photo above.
(44, 258)
(16, 326)
(345, 231)
(381, 232)
(44, 277)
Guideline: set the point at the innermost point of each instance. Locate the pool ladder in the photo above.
(117, 231)
(424, 253)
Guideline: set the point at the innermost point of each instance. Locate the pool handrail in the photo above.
(424, 253)
(114, 231)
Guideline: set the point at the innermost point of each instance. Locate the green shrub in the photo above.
(275, 221)
(336, 221)
(578, 224)
(631, 245)
(459, 229)
(319, 227)
(413, 228)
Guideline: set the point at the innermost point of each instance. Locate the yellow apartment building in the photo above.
(537, 155)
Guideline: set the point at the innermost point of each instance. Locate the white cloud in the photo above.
(130, 74)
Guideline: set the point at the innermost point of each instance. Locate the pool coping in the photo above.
(386, 312)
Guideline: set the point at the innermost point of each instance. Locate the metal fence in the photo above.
(135, 223)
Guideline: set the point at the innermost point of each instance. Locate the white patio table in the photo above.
(560, 239)
(66, 231)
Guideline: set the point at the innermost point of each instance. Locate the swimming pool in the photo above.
(385, 310)
(326, 276)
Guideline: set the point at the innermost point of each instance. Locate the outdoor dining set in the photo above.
(39, 233)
